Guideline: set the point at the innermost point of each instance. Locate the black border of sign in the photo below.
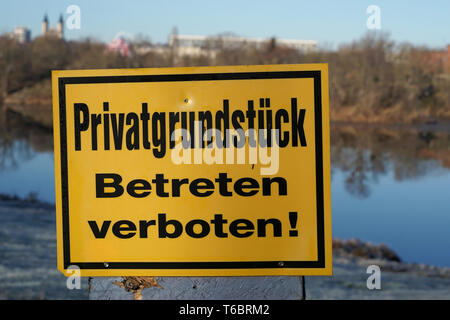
(316, 75)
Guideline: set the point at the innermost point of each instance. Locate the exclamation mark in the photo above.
(293, 217)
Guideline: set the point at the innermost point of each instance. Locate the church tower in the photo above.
(60, 27)
(45, 25)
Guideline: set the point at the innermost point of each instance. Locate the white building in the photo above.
(21, 34)
(195, 45)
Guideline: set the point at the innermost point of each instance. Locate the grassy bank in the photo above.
(33, 103)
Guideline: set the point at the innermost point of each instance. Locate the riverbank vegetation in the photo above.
(372, 79)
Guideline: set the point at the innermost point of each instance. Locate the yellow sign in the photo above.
(208, 171)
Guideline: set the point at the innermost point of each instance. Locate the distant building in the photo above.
(197, 45)
(194, 45)
(119, 45)
(58, 31)
(21, 34)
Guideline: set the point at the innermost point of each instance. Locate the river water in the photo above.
(389, 185)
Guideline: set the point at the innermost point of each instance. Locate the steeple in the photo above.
(45, 25)
(60, 27)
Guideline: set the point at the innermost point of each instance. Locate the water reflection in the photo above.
(361, 153)
(26, 159)
(364, 153)
(21, 141)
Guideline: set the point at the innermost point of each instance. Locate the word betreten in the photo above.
(109, 185)
(197, 228)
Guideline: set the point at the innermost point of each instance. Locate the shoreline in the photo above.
(438, 125)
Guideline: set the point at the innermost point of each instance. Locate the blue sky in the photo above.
(327, 21)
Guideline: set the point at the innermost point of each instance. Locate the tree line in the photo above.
(371, 77)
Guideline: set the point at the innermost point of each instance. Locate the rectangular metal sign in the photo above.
(203, 171)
